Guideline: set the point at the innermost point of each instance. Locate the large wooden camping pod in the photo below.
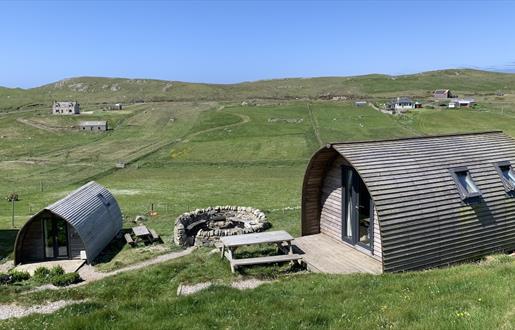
(78, 226)
(415, 203)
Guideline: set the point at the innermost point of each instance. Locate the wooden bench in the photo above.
(155, 236)
(129, 239)
(263, 260)
(230, 243)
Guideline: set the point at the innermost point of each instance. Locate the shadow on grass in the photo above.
(7, 239)
(112, 249)
(267, 271)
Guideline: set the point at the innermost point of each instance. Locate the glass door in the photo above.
(56, 238)
(357, 224)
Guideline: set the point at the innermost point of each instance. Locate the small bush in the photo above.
(56, 270)
(66, 279)
(18, 276)
(42, 275)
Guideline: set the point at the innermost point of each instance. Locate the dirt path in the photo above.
(89, 274)
(12, 310)
(244, 119)
(314, 124)
(36, 125)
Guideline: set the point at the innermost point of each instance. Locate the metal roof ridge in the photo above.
(330, 144)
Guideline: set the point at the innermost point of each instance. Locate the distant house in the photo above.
(66, 108)
(116, 106)
(400, 104)
(90, 126)
(459, 103)
(465, 102)
(418, 105)
(360, 103)
(442, 94)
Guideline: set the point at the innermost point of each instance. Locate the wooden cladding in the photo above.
(423, 220)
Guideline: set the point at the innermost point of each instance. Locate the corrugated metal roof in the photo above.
(94, 213)
(424, 221)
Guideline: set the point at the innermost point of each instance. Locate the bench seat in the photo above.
(263, 260)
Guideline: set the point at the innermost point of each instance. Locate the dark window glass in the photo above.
(466, 186)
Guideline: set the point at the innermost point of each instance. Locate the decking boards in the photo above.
(324, 254)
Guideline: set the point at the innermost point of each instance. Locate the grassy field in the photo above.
(189, 154)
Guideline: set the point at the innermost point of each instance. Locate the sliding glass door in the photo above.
(357, 218)
(56, 238)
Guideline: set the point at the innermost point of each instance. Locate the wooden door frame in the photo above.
(55, 246)
(352, 192)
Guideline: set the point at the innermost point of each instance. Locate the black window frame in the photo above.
(464, 194)
(508, 185)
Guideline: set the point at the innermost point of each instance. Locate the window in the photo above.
(466, 186)
(507, 175)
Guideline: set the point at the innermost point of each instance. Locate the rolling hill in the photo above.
(91, 90)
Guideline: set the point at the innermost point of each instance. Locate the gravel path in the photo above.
(10, 311)
(186, 290)
(89, 274)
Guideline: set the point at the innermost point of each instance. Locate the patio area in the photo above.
(324, 254)
(69, 266)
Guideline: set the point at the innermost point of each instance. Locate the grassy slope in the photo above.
(475, 296)
(236, 155)
(97, 90)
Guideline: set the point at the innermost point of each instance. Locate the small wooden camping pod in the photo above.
(421, 214)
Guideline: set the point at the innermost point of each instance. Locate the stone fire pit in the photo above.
(204, 227)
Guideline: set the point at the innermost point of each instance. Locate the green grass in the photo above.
(474, 296)
(219, 153)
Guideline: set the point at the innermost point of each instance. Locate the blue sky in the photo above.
(233, 41)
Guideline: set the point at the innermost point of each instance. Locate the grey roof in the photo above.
(93, 123)
(424, 221)
(92, 211)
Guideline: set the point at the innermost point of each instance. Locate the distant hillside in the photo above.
(97, 90)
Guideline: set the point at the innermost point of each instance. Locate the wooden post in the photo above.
(12, 201)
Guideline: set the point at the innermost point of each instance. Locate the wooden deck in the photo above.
(324, 254)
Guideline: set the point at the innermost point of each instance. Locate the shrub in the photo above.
(65, 279)
(42, 274)
(56, 270)
(18, 276)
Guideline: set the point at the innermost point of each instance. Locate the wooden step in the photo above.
(264, 260)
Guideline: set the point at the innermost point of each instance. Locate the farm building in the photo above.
(93, 126)
(360, 103)
(116, 106)
(413, 203)
(465, 102)
(78, 226)
(66, 108)
(400, 104)
(442, 94)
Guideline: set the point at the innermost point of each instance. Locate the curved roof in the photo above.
(423, 219)
(93, 212)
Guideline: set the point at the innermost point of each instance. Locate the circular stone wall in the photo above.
(204, 227)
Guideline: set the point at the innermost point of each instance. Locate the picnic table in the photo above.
(142, 233)
(230, 243)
